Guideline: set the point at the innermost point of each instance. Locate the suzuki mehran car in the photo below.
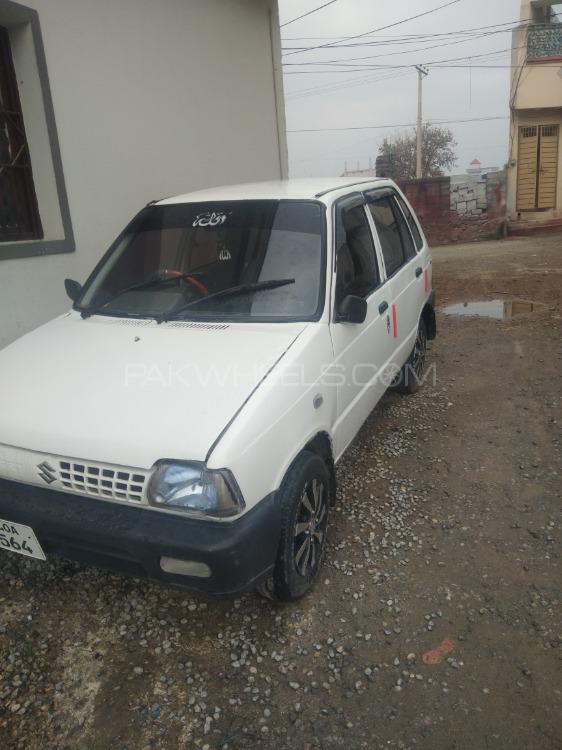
(183, 420)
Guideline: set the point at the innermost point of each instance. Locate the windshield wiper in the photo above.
(92, 310)
(230, 292)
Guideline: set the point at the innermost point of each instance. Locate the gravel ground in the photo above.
(437, 619)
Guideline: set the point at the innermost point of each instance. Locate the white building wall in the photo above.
(150, 99)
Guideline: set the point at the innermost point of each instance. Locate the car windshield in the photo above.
(238, 260)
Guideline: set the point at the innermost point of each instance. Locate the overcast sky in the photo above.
(449, 93)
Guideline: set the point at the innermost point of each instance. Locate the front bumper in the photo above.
(133, 540)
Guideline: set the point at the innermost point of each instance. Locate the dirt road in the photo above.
(437, 620)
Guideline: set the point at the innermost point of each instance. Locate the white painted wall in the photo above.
(150, 99)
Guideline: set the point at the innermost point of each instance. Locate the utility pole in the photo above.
(422, 73)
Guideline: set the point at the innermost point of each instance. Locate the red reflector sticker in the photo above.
(394, 322)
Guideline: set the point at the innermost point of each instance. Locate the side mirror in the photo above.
(72, 288)
(352, 310)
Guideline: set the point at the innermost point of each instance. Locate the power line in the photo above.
(310, 12)
(403, 67)
(411, 38)
(475, 37)
(382, 37)
(402, 125)
(373, 31)
(386, 38)
(485, 67)
(351, 82)
(345, 84)
(344, 63)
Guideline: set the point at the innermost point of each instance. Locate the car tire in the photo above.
(304, 499)
(410, 376)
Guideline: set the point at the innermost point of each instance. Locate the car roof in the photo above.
(296, 189)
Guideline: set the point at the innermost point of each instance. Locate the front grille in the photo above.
(114, 483)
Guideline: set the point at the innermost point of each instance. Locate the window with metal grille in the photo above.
(19, 215)
(550, 131)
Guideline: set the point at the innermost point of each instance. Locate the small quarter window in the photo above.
(416, 234)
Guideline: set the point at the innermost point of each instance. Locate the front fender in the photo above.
(292, 405)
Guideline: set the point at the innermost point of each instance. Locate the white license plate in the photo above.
(19, 539)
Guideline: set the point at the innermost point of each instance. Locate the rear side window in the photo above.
(396, 241)
(411, 222)
(356, 265)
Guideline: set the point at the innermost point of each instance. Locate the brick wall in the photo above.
(459, 211)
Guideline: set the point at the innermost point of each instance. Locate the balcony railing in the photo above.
(544, 41)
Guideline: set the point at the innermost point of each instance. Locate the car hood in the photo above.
(132, 392)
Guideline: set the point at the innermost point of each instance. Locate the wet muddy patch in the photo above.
(499, 309)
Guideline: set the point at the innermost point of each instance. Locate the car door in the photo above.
(423, 263)
(361, 351)
(402, 272)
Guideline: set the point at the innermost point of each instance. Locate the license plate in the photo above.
(19, 539)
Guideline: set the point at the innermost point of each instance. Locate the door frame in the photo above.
(343, 415)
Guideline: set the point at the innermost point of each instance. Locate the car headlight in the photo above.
(192, 488)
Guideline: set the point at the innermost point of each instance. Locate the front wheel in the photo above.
(410, 376)
(304, 498)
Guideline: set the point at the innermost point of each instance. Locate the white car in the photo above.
(182, 422)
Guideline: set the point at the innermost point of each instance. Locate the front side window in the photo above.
(237, 260)
(356, 265)
(395, 238)
(19, 215)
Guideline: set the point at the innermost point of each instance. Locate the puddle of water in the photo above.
(497, 308)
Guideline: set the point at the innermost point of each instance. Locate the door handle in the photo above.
(419, 271)
(383, 307)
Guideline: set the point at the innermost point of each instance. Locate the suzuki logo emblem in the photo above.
(47, 473)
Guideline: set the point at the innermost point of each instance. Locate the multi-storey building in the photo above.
(535, 159)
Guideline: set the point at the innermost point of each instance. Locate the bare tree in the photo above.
(438, 153)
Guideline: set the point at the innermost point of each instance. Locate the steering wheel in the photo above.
(187, 278)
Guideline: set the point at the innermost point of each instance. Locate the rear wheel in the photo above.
(410, 376)
(304, 497)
